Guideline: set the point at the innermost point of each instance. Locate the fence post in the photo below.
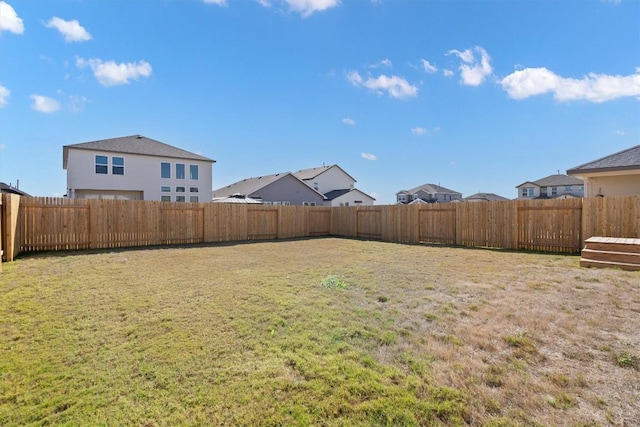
(11, 206)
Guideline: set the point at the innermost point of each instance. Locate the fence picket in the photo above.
(31, 224)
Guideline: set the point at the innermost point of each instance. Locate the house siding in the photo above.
(332, 179)
(350, 199)
(288, 189)
(141, 175)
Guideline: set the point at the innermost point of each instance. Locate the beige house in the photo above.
(617, 174)
(136, 168)
(429, 193)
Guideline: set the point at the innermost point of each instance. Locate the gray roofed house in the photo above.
(136, 168)
(277, 189)
(485, 197)
(430, 193)
(335, 184)
(550, 187)
(617, 174)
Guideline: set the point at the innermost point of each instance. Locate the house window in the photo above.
(567, 188)
(528, 192)
(193, 172)
(554, 191)
(102, 164)
(179, 189)
(180, 199)
(543, 191)
(193, 199)
(581, 188)
(315, 186)
(357, 202)
(117, 165)
(180, 170)
(308, 203)
(165, 170)
(165, 189)
(193, 189)
(165, 198)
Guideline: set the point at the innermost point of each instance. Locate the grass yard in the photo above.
(322, 332)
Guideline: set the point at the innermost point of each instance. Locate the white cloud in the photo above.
(348, 121)
(428, 67)
(473, 72)
(9, 19)
(308, 7)
(592, 87)
(369, 156)
(109, 73)
(616, 2)
(71, 30)
(447, 73)
(44, 104)
(4, 96)
(418, 131)
(218, 2)
(384, 63)
(621, 133)
(395, 86)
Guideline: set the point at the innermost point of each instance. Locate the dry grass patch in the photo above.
(331, 332)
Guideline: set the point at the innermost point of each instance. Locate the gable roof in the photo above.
(334, 194)
(249, 186)
(311, 173)
(490, 197)
(555, 180)
(622, 160)
(431, 189)
(134, 144)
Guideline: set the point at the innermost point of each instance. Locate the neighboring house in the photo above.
(615, 175)
(9, 189)
(429, 193)
(551, 187)
(485, 197)
(336, 185)
(136, 168)
(353, 197)
(278, 189)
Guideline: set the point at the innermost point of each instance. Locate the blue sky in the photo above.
(477, 96)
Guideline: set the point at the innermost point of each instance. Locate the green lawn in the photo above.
(327, 332)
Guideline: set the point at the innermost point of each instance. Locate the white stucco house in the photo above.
(136, 168)
(617, 174)
(337, 186)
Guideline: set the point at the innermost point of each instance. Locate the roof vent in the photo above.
(139, 136)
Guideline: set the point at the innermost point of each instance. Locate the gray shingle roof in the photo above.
(138, 144)
(249, 185)
(430, 188)
(490, 197)
(557, 180)
(333, 194)
(306, 174)
(622, 160)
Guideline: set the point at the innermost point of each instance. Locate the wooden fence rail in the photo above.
(30, 224)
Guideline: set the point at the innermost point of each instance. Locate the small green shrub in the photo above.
(626, 359)
(333, 282)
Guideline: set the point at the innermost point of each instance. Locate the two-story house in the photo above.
(136, 168)
(551, 187)
(337, 186)
(428, 193)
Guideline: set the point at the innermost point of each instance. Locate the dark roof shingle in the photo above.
(622, 160)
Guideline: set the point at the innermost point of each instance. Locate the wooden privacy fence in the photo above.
(30, 224)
